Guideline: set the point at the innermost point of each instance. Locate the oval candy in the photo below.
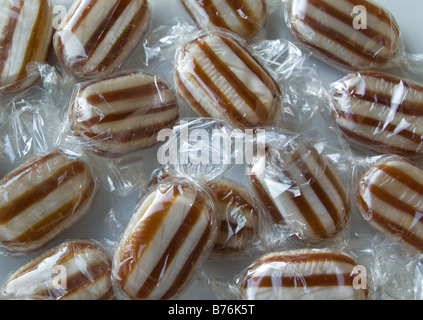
(169, 236)
(220, 79)
(25, 38)
(123, 113)
(41, 199)
(306, 274)
(390, 198)
(380, 112)
(244, 18)
(74, 270)
(303, 190)
(333, 29)
(97, 36)
(238, 216)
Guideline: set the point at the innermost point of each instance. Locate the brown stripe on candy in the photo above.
(173, 248)
(41, 28)
(77, 281)
(252, 63)
(327, 53)
(402, 177)
(381, 125)
(317, 188)
(248, 96)
(377, 145)
(390, 78)
(404, 106)
(89, 5)
(391, 227)
(29, 167)
(6, 40)
(118, 116)
(104, 28)
(144, 233)
(307, 257)
(306, 281)
(135, 92)
(306, 210)
(191, 261)
(245, 15)
(130, 135)
(217, 95)
(84, 8)
(124, 38)
(190, 98)
(72, 249)
(410, 108)
(85, 278)
(214, 15)
(109, 295)
(49, 223)
(335, 181)
(272, 209)
(352, 47)
(39, 192)
(394, 202)
(348, 19)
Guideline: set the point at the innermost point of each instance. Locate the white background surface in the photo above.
(96, 225)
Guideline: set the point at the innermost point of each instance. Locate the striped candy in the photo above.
(307, 274)
(390, 198)
(302, 190)
(381, 112)
(98, 35)
(243, 17)
(123, 113)
(169, 236)
(74, 270)
(238, 217)
(222, 80)
(333, 29)
(41, 199)
(25, 37)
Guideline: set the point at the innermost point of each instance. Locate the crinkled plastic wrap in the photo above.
(302, 184)
(168, 238)
(96, 37)
(43, 198)
(209, 152)
(351, 36)
(246, 19)
(380, 112)
(73, 270)
(30, 122)
(201, 148)
(397, 273)
(25, 40)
